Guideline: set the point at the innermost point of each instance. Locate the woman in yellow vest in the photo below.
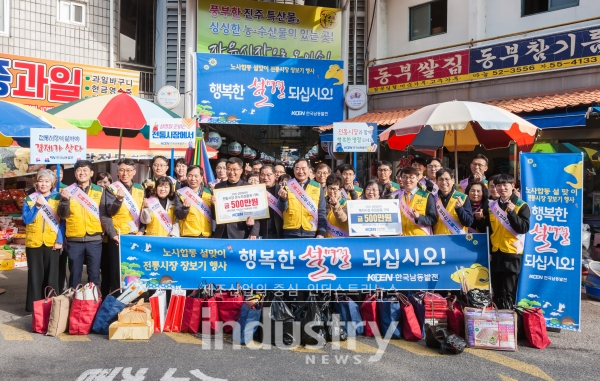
(416, 205)
(158, 211)
(508, 219)
(44, 237)
(195, 218)
(337, 218)
(453, 207)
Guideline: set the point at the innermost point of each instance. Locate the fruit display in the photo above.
(11, 201)
(10, 208)
(18, 195)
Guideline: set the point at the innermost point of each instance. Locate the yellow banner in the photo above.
(46, 84)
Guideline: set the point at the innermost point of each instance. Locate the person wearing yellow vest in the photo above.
(44, 237)
(352, 192)
(159, 167)
(384, 174)
(80, 208)
(337, 217)
(322, 172)
(478, 166)
(453, 207)
(298, 221)
(158, 213)
(120, 210)
(419, 214)
(508, 220)
(195, 217)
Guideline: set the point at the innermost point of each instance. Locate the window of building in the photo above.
(71, 12)
(4, 13)
(531, 7)
(428, 19)
(136, 32)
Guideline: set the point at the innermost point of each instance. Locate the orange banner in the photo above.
(46, 84)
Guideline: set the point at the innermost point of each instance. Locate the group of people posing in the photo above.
(86, 219)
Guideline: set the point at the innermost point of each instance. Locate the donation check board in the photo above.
(379, 217)
(238, 203)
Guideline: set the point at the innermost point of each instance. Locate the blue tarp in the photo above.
(557, 120)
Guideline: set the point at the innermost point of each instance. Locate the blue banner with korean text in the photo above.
(536, 54)
(551, 265)
(236, 89)
(403, 263)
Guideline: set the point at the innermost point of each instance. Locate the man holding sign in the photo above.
(417, 206)
(237, 230)
(271, 228)
(120, 211)
(80, 207)
(303, 204)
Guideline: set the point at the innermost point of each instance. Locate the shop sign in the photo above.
(52, 146)
(214, 140)
(355, 137)
(269, 29)
(172, 132)
(565, 50)
(236, 89)
(396, 263)
(355, 98)
(45, 84)
(550, 276)
(168, 97)
(378, 217)
(234, 148)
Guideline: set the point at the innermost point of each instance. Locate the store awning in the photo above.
(593, 113)
(557, 119)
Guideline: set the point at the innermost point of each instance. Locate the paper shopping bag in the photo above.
(158, 304)
(59, 313)
(41, 312)
(175, 311)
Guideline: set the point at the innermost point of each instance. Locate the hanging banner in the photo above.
(179, 133)
(551, 265)
(402, 263)
(355, 137)
(374, 217)
(269, 29)
(52, 146)
(45, 84)
(236, 89)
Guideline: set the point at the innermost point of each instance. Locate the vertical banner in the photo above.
(551, 268)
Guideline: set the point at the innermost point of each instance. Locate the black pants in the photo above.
(42, 264)
(62, 270)
(88, 253)
(105, 271)
(505, 270)
(113, 267)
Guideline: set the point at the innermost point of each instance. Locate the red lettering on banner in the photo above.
(317, 256)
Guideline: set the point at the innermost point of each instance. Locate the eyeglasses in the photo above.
(434, 166)
(444, 179)
(383, 170)
(330, 189)
(322, 173)
(128, 171)
(267, 174)
(159, 165)
(413, 177)
(372, 190)
(301, 169)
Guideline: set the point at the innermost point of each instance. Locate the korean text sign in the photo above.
(172, 133)
(269, 29)
(355, 137)
(52, 146)
(403, 263)
(551, 265)
(46, 84)
(380, 217)
(238, 203)
(268, 90)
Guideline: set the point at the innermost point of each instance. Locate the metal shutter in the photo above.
(359, 44)
(171, 78)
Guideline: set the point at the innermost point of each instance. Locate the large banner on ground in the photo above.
(266, 90)
(269, 29)
(551, 266)
(403, 263)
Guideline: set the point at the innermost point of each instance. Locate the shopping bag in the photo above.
(388, 310)
(192, 313)
(84, 307)
(349, 314)
(230, 305)
(282, 323)
(416, 299)
(133, 291)
(158, 305)
(491, 328)
(456, 319)
(59, 313)
(41, 312)
(175, 311)
(107, 313)
(534, 325)
(210, 312)
(247, 323)
(368, 313)
(411, 330)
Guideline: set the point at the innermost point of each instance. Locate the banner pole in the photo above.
(172, 161)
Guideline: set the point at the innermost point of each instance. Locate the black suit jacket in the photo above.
(274, 217)
(235, 230)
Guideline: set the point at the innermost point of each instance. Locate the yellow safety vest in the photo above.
(123, 217)
(501, 238)
(333, 221)
(419, 205)
(296, 216)
(38, 233)
(155, 227)
(196, 224)
(81, 222)
(439, 227)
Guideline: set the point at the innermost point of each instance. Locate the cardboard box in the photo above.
(4, 254)
(123, 331)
